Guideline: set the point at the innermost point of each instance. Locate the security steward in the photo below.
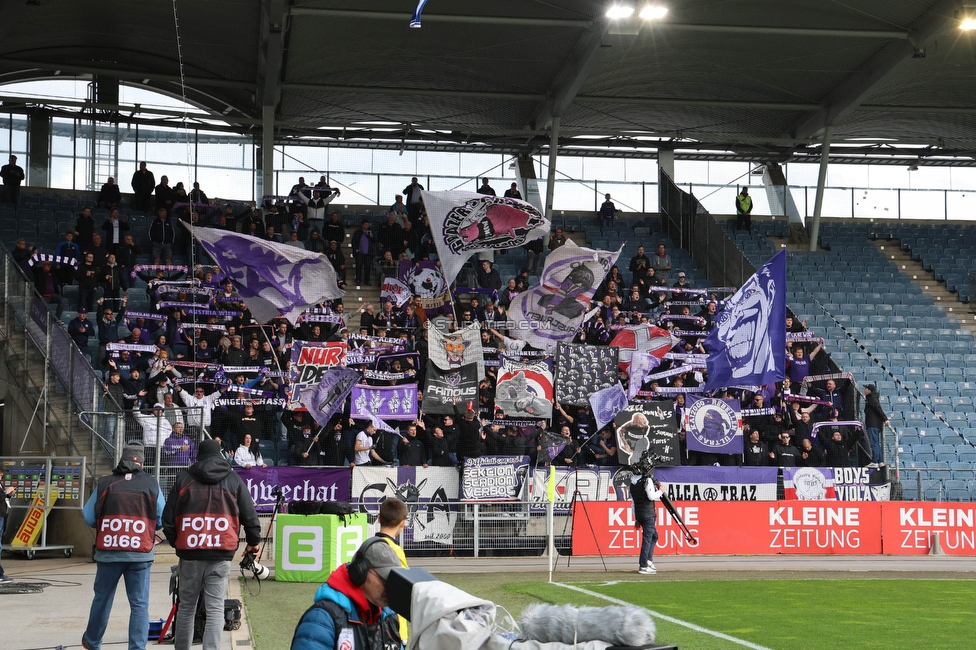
(743, 211)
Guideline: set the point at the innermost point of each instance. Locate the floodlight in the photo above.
(617, 12)
(968, 24)
(653, 12)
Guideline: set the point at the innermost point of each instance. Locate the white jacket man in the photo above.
(194, 415)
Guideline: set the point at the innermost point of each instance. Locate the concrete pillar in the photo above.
(665, 160)
(821, 182)
(267, 150)
(527, 181)
(551, 177)
(39, 145)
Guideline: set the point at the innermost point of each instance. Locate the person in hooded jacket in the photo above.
(206, 544)
(125, 510)
(350, 611)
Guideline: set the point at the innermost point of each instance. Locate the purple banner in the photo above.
(426, 281)
(328, 397)
(296, 483)
(384, 402)
(714, 425)
(718, 483)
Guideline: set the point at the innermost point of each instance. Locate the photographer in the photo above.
(645, 494)
(209, 486)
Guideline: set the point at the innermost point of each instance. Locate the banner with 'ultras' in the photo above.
(296, 484)
(736, 528)
(690, 483)
(491, 478)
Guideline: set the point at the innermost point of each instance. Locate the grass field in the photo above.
(778, 614)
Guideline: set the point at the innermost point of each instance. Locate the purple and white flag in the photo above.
(713, 425)
(554, 310)
(395, 291)
(607, 403)
(274, 278)
(384, 402)
(326, 399)
(464, 223)
(641, 364)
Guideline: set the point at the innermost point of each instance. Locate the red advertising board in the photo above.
(907, 528)
(734, 528)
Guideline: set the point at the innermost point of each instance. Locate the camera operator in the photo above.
(351, 609)
(644, 494)
(206, 544)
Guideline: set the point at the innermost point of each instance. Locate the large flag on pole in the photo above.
(747, 347)
(273, 278)
(651, 339)
(554, 310)
(328, 397)
(464, 223)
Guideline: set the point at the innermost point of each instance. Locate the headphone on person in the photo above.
(358, 568)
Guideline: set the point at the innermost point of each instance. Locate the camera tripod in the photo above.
(578, 497)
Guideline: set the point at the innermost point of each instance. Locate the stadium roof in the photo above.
(757, 77)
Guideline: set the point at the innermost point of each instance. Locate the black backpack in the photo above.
(342, 509)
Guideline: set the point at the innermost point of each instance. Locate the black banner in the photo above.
(646, 426)
(445, 388)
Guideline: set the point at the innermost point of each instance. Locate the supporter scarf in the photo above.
(156, 267)
(57, 259)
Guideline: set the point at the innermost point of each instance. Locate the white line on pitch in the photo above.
(665, 617)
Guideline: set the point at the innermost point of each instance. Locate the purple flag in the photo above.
(607, 403)
(553, 311)
(296, 483)
(714, 425)
(464, 223)
(384, 402)
(326, 399)
(748, 345)
(273, 278)
(641, 364)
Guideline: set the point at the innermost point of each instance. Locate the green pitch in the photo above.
(776, 614)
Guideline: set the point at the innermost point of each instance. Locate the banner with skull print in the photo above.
(431, 495)
(524, 390)
(647, 426)
(582, 370)
(451, 351)
(384, 402)
(428, 285)
(554, 310)
(464, 223)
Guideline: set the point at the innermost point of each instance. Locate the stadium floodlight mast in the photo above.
(653, 12)
(619, 12)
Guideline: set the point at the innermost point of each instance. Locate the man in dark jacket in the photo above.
(111, 195)
(874, 421)
(162, 235)
(84, 227)
(207, 504)
(12, 176)
(143, 183)
(783, 453)
(755, 452)
(125, 510)
(334, 230)
(350, 611)
(48, 287)
(164, 195)
(644, 494)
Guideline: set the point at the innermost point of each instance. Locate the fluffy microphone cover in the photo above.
(631, 626)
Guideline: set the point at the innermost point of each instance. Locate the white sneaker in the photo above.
(647, 570)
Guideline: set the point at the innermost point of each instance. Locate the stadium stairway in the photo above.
(66, 436)
(948, 300)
